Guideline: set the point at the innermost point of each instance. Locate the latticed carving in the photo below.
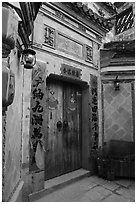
(124, 21)
(49, 36)
(89, 53)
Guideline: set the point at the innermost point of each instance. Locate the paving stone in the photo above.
(132, 186)
(80, 199)
(115, 198)
(97, 180)
(53, 197)
(97, 193)
(111, 186)
(69, 192)
(86, 185)
(93, 189)
(124, 182)
(127, 193)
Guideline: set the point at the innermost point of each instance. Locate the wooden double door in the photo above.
(63, 153)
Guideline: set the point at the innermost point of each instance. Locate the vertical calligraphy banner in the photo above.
(94, 113)
(37, 119)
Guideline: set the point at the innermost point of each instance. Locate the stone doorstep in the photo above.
(59, 182)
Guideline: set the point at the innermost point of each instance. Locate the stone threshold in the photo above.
(59, 182)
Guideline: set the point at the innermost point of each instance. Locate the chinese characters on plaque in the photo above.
(70, 71)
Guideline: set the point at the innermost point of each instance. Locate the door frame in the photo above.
(85, 118)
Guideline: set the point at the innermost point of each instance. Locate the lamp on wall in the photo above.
(116, 84)
(28, 58)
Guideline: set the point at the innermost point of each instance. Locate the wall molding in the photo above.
(67, 57)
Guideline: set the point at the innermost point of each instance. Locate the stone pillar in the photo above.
(27, 75)
(33, 181)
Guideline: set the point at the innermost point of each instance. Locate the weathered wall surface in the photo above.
(32, 182)
(66, 45)
(57, 44)
(12, 157)
(27, 75)
(118, 111)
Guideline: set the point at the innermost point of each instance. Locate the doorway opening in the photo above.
(64, 112)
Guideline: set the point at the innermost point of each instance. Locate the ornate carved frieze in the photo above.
(82, 28)
(49, 36)
(60, 15)
(88, 53)
(66, 44)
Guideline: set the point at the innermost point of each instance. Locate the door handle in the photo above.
(59, 125)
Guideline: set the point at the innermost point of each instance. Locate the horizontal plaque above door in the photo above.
(69, 46)
(70, 71)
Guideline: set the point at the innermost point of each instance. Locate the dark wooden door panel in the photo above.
(64, 144)
(71, 135)
(54, 153)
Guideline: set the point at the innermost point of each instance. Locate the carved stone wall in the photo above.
(69, 45)
(60, 39)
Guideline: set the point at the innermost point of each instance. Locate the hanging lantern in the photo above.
(29, 58)
(117, 84)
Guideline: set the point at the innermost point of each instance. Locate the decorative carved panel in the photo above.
(81, 27)
(88, 53)
(69, 45)
(49, 36)
(60, 15)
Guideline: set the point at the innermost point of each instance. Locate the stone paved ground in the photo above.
(94, 189)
